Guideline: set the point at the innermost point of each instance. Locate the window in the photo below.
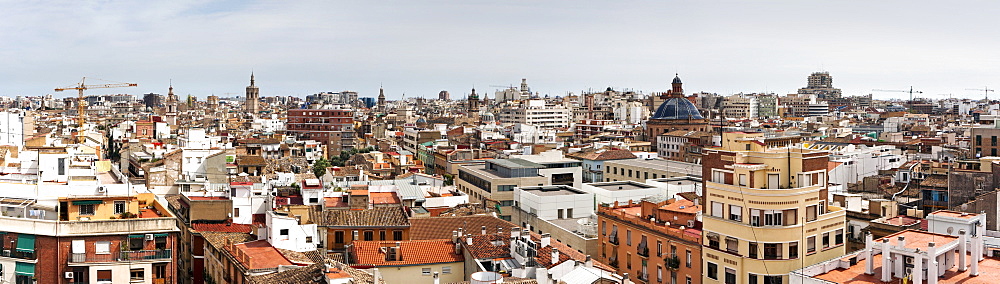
(730, 276)
(136, 243)
(688, 280)
(283, 232)
(811, 213)
(753, 250)
(569, 213)
(104, 275)
(309, 239)
(397, 235)
(137, 274)
(979, 140)
(772, 251)
(838, 237)
(338, 237)
(732, 245)
(793, 250)
(736, 213)
(717, 209)
(119, 207)
(425, 271)
(755, 217)
(87, 209)
(369, 235)
(713, 241)
(688, 259)
(811, 244)
(446, 270)
(103, 247)
(743, 180)
(381, 235)
(772, 279)
(628, 237)
(826, 240)
(752, 279)
(559, 214)
(604, 228)
(713, 270)
(659, 248)
(659, 273)
(236, 212)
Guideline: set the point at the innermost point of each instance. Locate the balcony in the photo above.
(18, 254)
(613, 239)
(124, 256)
(642, 250)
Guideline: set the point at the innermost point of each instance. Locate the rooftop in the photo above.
(375, 217)
(259, 254)
(620, 185)
(412, 252)
(555, 190)
(516, 163)
(953, 214)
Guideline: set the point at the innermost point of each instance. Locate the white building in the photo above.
(620, 191)
(284, 232)
(554, 202)
(537, 113)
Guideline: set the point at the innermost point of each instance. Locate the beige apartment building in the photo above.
(766, 212)
(493, 182)
(640, 170)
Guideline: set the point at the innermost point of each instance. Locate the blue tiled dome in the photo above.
(677, 108)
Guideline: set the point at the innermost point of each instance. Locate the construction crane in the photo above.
(80, 103)
(986, 92)
(911, 91)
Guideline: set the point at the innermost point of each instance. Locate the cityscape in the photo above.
(375, 179)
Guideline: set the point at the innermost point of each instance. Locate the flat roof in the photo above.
(661, 164)
(554, 190)
(620, 185)
(516, 163)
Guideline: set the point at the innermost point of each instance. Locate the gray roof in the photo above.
(516, 163)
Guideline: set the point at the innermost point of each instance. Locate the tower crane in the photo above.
(911, 91)
(986, 92)
(81, 114)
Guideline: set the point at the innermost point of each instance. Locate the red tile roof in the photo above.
(222, 227)
(383, 198)
(412, 252)
(258, 254)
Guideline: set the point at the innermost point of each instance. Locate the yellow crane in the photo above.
(80, 103)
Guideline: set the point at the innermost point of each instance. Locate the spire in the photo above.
(251, 78)
(170, 91)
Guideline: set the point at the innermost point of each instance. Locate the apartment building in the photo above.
(328, 126)
(766, 212)
(493, 182)
(653, 241)
(563, 212)
(537, 113)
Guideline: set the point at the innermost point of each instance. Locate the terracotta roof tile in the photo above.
(222, 227)
(375, 217)
(412, 252)
(602, 154)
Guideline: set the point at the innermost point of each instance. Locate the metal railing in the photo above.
(18, 254)
(140, 255)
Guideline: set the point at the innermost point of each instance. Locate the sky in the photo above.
(419, 48)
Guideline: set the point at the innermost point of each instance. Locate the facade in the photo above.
(417, 261)
(984, 141)
(640, 170)
(327, 126)
(642, 239)
(537, 113)
(563, 212)
(766, 211)
(341, 227)
(493, 182)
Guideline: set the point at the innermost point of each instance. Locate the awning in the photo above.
(161, 235)
(25, 242)
(24, 269)
(87, 202)
(136, 236)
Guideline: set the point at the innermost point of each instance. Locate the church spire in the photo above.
(251, 78)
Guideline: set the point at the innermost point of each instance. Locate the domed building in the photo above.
(675, 113)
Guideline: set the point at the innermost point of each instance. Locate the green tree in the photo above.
(319, 168)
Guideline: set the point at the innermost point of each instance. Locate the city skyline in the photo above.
(421, 48)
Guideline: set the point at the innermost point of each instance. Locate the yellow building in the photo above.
(766, 211)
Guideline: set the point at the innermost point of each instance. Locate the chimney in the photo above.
(515, 232)
(625, 279)
(377, 276)
(589, 262)
(484, 230)
(460, 232)
(546, 240)
(437, 278)
(468, 240)
(355, 234)
(399, 251)
(555, 255)
(901, 243)
(454, 236)
(499, 231)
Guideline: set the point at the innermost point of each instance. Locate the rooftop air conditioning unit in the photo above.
(149, 237)
(69, 275)
(102, 189)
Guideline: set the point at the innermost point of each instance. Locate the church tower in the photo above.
(252, 102)
(171, 112)
(473, 102)
(676, 87)
(381, 98)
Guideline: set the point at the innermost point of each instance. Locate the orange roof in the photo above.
(412, 252)
(856, 273)
(383, 198)
(359, 192)
(148, 213)
(258, 254)
(682, 206)
(919, 239)
(222, 227)
(208, 198)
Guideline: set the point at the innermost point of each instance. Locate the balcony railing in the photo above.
(18, 254)
(139, 255)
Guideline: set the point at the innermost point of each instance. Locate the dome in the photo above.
(677, 79)
(677, 108)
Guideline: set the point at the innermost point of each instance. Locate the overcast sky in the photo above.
(422, 47)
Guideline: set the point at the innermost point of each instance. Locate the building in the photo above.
(493, 182)
(675, 113)
(341, 227)
(333, 127)
(682, 145)
(563, 212)
(766, 212)
(984, 141)
(821, 85)
(416, 261)
(251, 103)
(195, 212)
(593, 161)
(537, 113)
(640, 170)
(444, 96)
(653, 242)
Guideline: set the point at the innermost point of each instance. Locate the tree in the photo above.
(319, 168)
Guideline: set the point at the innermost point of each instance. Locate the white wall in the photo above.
(296, 239)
